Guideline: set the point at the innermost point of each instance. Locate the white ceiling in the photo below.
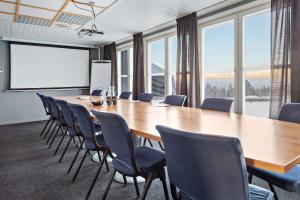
(120, 20)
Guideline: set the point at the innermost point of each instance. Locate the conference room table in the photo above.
(269, 144)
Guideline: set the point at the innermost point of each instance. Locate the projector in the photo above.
(85, 32)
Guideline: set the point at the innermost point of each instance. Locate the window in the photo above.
(172, 49)
(218, 60)
(156, 59)
(125, 69)
(235, 58)
(257, 47)
(161, 65)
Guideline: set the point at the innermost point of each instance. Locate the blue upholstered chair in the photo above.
(289, 181)
(145, 97)
(96, 92)
(69, 124)
(217, 104)
(131, 161)
(175, 100)
(92, 141)
(56, 116)
(125, 95)
(47, 111)
(207, 167)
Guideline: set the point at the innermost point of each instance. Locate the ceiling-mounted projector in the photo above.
(93, 31)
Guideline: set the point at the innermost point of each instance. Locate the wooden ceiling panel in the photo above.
(24, 10)
(6, 17)
(6, 7)
(51, 4)
(71, 8)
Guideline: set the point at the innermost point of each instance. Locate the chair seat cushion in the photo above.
(258, 193)
(289, 181)
(147, 159)
(90, 145)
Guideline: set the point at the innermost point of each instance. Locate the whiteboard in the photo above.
(101, 75)
(48, 67)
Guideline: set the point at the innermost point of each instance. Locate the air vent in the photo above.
(73, 18)
(33, 20)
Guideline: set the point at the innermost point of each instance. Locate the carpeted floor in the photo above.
(28, 170)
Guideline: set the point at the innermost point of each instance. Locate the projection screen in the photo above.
(35, 67)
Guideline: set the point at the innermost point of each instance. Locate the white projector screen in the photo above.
(34, 67)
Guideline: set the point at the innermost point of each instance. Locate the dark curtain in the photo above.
(110, 53)
(188, 70)
(138, 66)
(295, 49)
(285, 61)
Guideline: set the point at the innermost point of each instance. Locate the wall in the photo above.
(24, 106)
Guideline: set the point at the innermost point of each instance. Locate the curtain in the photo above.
(110, 53)
(188, 70)
(295, 49)
(285, 62)
(280, 55)
(138, 66)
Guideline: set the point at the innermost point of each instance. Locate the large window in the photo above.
(161, 65)
(257, 47)
(218, 60)
(125, 69)
(235, 58)
(156, 67)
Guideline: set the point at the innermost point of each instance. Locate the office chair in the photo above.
(207, 167)
(217, 104)
(96, 92)
(175, 100)
(145, 97)
(131, 161)
(47, 111)
(289, 181)
(56, 116)
(125, 95)
(92, 141)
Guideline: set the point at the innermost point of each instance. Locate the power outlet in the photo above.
(1, 69)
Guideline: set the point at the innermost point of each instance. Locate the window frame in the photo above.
(237, 15)
(128, 47)
(167, 74)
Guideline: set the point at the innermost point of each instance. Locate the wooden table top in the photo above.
(268, 144)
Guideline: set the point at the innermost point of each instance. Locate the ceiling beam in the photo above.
(6, 13)
(38, 7)
(17, 10)
(62, 8)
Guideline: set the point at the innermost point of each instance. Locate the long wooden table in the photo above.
(269, 144)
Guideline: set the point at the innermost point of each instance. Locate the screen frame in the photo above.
(47, 45)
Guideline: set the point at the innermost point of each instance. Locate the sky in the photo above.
(218, 45)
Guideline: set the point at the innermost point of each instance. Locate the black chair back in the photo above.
(84, 121)
(55, 112)
(96, 92)
(146, 97)
(175, 100)
(125, 95)
(290, 112)
(205, 166)
(68, 115)
(45, 103)
(217, 104)
(117, 136)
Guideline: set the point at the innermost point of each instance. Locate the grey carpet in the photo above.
(29, 171)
